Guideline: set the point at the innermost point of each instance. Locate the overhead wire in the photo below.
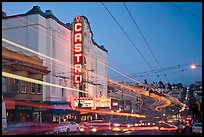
(128, 37)
(144, 39)
(186, 11)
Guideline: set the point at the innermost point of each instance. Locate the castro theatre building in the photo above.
(89, 72)
(74, 60)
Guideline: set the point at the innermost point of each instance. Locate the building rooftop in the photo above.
(37, 10)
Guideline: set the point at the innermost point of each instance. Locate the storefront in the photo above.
(21, 111)
(59, 112)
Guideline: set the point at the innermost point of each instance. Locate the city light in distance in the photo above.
(193, 66)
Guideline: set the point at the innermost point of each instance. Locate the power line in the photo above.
(128, 38)
(144, 39)
(141, 74)
(185, 10)
(179, 71)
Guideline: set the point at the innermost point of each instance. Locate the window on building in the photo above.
(39, 91)
(15, 86)
(33, 88)
(4, 84)
(23, 87)
(62, 92)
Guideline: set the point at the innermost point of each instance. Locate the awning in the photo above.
(9, 104)
(61, 111)
(60, 107)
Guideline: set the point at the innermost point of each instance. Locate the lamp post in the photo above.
(194, 66)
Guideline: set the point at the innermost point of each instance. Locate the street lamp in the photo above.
(194, 66)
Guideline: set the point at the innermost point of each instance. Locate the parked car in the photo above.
(67, 127)
(28, 128)
(197, 128)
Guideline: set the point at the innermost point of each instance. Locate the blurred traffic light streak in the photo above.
(10, 75)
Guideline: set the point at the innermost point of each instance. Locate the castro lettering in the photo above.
(78, 51)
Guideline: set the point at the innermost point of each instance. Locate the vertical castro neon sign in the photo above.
(78, 51)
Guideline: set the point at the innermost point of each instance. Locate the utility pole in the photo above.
(80, 95)
(122, 101)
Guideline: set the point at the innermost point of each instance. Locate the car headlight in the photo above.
(93, 130)
(81, 129)
(116, 125)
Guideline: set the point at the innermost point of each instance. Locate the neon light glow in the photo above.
(78, 51)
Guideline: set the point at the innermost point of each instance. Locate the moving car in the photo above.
(94, 126)
(119, 124)
(28, 128)
(197, 128)
(67, 127)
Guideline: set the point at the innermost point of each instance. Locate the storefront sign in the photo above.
(24, 108)
(85, 103)
(40, 109)
(94, 103)
(115, 103)
(78, 48)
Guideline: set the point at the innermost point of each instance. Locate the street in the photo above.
(138, 132)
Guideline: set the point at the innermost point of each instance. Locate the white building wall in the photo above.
(96, 71)
(11, 28)
(102, 72)
(59, 48)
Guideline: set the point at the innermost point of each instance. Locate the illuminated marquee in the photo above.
(102, 102)
(92, 102)
(78, 51)
(85, 103)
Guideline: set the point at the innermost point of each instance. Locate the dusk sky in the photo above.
(173, 34)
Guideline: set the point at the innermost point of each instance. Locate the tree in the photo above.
(161, 85)
(145, 81)
(169, 86)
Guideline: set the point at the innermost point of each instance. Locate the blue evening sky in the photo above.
(174, 36)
